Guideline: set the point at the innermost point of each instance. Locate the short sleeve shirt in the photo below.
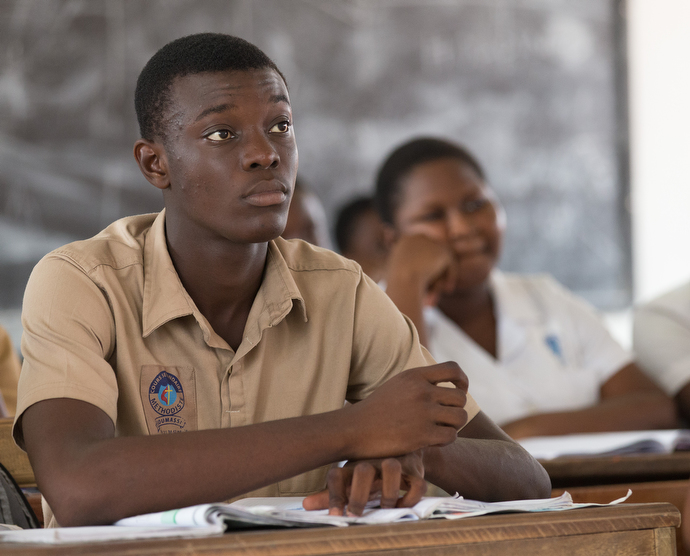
(553, 351)
(9, 372)
(661, 339)
(108, 321)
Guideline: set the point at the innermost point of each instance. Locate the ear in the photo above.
(152, 162)
(390, 235)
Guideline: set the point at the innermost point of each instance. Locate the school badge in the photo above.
(167, 400)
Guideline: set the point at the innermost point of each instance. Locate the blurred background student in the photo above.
(307, 217)
(661, 341)
(539, 359)
(359, 235)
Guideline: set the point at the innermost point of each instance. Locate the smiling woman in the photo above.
(539, 359)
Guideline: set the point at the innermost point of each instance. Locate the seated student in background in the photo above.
(306, 218)
(539, 359)
(661, 341)
(9, 375)
(359, 235)
(201, 320)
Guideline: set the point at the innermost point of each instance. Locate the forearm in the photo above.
(633, 411)
(485, 464)
(487, 470)
(117, 477)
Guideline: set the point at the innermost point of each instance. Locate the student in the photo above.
(9, 375)
(202, 321)
(306, 218)
(359, 234)
(661, 341)
(539, 360)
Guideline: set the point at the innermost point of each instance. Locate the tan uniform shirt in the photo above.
(9, 373)
(107, 321)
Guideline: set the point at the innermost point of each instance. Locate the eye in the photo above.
(220, 135)
(473, 206)
(281, 127)
(432, 215)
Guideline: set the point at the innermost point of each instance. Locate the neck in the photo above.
(465, 306)
(221, 277)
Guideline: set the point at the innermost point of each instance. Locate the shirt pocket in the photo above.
(168, 395)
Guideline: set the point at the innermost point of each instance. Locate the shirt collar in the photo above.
(164, 295)
(512, 300)
(165, 298)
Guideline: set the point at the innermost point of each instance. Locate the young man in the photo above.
(202, 320)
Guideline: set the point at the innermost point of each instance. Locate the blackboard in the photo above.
(536, 88)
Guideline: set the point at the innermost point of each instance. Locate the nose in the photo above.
(259, 152)
(458, 224)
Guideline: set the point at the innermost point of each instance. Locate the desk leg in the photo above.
(665, 540)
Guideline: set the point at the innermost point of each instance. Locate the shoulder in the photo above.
(119, 245)
(675, 303)
(301, 256)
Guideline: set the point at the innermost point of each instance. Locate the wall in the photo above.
(659, 54)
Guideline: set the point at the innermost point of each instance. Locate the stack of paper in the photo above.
(607, 443)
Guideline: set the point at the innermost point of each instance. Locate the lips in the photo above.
(469, 246)
(267, 193)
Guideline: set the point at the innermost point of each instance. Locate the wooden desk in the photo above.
(606, 470)
(638, 529)
(651, 477)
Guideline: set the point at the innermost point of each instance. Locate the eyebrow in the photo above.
(215, 110)
(275, 99)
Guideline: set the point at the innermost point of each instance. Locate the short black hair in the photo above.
(203, 52)
(346, 220)
(403, 160)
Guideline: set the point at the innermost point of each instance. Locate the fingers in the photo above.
(337, 491)
(414, 493)
(391, 476)
(362, 481)
(445, 372)
(317, 501)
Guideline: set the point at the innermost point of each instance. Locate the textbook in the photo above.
(215, 519)
(288, 512)
(608, 443)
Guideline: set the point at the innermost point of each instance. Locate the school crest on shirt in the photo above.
(168, 407)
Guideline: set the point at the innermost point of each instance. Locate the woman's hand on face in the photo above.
(423, 264)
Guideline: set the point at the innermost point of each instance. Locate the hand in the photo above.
(356, 483)
(410, 412)
(427, 263)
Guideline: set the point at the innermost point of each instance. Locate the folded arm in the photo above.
(628, 401)
(89, 476)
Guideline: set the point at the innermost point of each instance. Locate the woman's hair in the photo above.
(404, 159)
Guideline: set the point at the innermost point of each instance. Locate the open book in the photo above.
(214, 519)
(607, 443)
(288, 512)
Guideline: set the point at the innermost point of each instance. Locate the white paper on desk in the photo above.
(288, 512)
(607, 443)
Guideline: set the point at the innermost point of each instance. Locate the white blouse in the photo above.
(553, 351)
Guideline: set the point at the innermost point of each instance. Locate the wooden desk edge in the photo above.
(421, 535)
(566, 471)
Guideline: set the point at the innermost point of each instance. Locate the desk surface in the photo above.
(616, 530)
(602, 470)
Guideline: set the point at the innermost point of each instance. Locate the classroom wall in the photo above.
(659, 89)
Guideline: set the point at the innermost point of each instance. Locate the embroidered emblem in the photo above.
(167, 399)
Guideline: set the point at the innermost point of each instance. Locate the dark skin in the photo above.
(226, 169)
(446, 238)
